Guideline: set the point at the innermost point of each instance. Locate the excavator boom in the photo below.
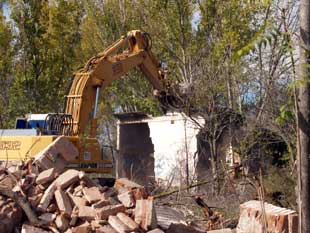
(101, 70)
(36, 131)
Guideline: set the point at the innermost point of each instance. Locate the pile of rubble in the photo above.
(41, 196)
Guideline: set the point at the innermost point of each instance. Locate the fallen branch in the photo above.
(164, 194)
(23, 203)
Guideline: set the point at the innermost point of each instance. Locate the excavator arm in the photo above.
(101, 70)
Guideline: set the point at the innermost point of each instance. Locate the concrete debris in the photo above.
(277, 219)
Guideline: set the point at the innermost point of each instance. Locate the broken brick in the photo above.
(101, 204)
(126, 183)
(182, 228)
(67, 178)
(145, 214)
(105, 212)
(62, 222)
(106, 229)
(95, 224)
(63, 202)
(35, 200)
(157, 230)
(46, 176)
(47, 217)
(123, 184)
(226, 230)
(277, 219)
(128, 221)
(92, 194)
(87, 213)
(31, 229)
(47, 197)
(52, 208)
(88, 181)
(78, 201)
(57, 154)
(118, 225)
(83, 228)
(127, 199)
(8, 182)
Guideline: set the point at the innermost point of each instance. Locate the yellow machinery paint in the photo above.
(91, 160)
(82, 100)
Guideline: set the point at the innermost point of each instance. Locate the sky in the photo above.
(6, 11)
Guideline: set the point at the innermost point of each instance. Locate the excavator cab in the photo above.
(46, 124)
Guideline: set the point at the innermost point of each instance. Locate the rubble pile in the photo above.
(40, 195)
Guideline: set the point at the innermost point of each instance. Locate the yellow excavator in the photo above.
(78, 122)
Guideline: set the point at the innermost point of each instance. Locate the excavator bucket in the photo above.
(177, 98)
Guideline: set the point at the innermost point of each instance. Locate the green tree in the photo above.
(6, 51)
(47, 39)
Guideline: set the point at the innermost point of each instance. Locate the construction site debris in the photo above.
(183, 228)
(44, 197)
(145, 214)
(57, 154)
(226, 230)
(256, 217)
(127, 199)
(167, 215)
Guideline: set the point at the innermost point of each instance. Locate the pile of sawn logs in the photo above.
(40, 195)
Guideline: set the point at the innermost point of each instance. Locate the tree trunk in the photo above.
(304, 118)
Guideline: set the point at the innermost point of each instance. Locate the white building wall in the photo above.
(173, 137)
